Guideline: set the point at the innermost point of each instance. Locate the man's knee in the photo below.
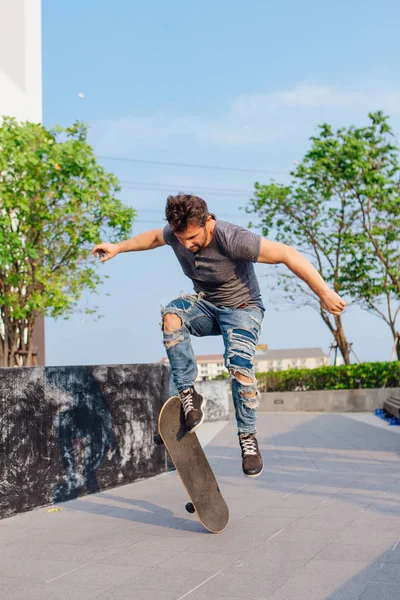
(242, 377)
(249, 390)
(171, 322)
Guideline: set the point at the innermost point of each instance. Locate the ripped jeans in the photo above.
(240, 329)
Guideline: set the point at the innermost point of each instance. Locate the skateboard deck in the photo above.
(193, 467)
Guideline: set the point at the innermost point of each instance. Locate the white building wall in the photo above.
(289, 363)
(21, 59)
(210, 370)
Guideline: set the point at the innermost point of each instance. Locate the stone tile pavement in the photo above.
(321, 523)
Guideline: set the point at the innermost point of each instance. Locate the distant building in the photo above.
(209, 366)
(212, 365)
(291, 358)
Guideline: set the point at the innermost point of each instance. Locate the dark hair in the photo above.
(183, 210)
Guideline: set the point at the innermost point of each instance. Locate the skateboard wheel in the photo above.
(158, 440)
(190, 508)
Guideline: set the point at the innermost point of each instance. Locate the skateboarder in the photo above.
(218, 257)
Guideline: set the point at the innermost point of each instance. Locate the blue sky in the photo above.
(240, 85)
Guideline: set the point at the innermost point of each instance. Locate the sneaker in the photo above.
(252, 462)
(191, 404)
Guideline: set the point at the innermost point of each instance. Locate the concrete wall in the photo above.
(361, 400)
(216, 396)
(69, 431)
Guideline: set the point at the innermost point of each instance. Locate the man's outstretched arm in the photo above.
(143, 241)
(276, 253)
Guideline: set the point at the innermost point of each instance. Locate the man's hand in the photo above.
(105, 251)
(332, 302)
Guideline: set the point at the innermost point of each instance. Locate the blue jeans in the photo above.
(240, 329)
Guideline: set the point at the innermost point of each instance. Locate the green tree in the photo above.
(296, 217)
(342, 210)
(365, 163)
(56, 201)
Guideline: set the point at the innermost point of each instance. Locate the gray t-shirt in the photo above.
(223, 270)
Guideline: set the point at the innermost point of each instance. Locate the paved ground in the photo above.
(321, 523)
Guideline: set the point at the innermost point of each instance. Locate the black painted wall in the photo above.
(70, 431)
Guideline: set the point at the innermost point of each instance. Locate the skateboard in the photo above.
(193, 467)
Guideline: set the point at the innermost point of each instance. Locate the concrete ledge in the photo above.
(216, 394)
(70, 431)
(216, 397)
(360, 400)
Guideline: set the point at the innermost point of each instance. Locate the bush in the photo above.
(223, 375)
(346, 377)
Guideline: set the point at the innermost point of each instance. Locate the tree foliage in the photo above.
(342, 210)
(56, 201)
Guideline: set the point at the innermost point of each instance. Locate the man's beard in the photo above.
(202, 245)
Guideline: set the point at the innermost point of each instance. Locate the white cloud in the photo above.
(371, 96)
(253, 119)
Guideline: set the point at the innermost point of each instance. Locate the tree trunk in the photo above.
(396, 340)
(5, 355)
(28, 357)
(6, 344)
(14, 351)
(338, 334)
(341, 341)
(14, 344)
(1, 344)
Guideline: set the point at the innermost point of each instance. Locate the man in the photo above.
(218, 257)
